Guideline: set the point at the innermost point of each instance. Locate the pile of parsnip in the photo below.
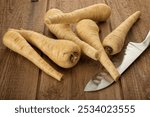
(67, 49)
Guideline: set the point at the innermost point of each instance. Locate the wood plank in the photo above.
(75, 79)
(20, 79)
(136, 79)
(18, 76)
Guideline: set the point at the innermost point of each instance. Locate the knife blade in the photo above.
(132, 52)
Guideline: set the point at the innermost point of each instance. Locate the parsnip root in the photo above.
(88, 31)
(98, 12)
(113, 43)
(64, 53)
(14, 41)
(63, 31)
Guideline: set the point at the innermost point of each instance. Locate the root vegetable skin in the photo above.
(88, 31)
(113, 43)
(14, 41)
(97, 12)
(63, 52)
(64, 31)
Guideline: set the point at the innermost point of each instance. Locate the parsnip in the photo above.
(88, 31)
(63, 31)
(14, 41)
(64, 53)
(113, 43)
(98, 12)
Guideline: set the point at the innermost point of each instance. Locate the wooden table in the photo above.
(20, 79)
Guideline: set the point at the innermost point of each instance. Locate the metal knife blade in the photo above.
(132, 52)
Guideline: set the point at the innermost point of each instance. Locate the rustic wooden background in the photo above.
(20, 79)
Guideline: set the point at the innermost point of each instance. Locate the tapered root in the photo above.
(64, 31)
(14, 41)
(97, 12)
(92, 38)
(113, 43)
(59, 51)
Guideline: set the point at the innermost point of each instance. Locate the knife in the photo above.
(132, 52)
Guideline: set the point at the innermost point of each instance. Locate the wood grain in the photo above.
(18, 76)
(20, 79)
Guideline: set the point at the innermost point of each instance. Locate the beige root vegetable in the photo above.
(97, 12)
(89, 32)
(14, 41)
(63, 52)
(113, 43)
(64, 31)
